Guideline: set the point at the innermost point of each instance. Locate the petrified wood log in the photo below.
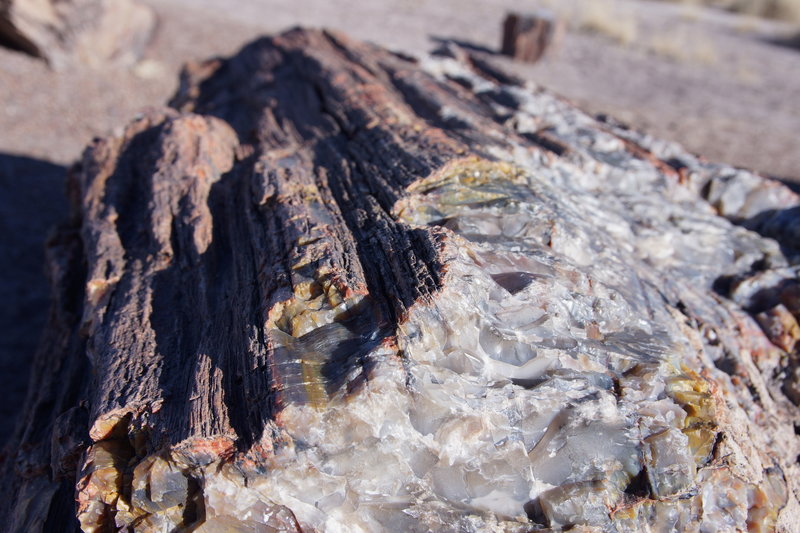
(529, 37)
(339, 289)
(92, 32)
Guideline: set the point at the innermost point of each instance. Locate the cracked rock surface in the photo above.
(336, 288)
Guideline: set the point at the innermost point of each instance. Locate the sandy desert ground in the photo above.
(718, 83)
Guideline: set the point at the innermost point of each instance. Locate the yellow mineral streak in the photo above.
(469, 172)
(693, 393)
(314, 383)
(464, 181)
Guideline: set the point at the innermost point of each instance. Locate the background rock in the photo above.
(528, 37)
(89, 32)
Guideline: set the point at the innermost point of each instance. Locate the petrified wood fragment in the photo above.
(92, 32)
(529, 37)
(338, 289)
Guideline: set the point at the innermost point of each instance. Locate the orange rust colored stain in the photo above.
(752, 338)
(257, 457)
(390, 343)
(222, 447)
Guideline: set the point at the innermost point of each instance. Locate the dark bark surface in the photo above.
(195, 235)
(211, 245)
(529, 37)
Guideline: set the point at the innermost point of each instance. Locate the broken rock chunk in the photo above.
(87, 32)
(339, 289)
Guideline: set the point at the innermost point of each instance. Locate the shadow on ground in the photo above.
(787, 41)
(32, 201)
(441, 41)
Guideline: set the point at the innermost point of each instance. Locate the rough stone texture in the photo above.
(340, 289)
(529, 37)
(63, 32)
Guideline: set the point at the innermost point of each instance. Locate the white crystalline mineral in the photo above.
(571, 371)
(549, 383)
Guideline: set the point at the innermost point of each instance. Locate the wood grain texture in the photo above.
(239, 253)
(529, 37)
(197, 236)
